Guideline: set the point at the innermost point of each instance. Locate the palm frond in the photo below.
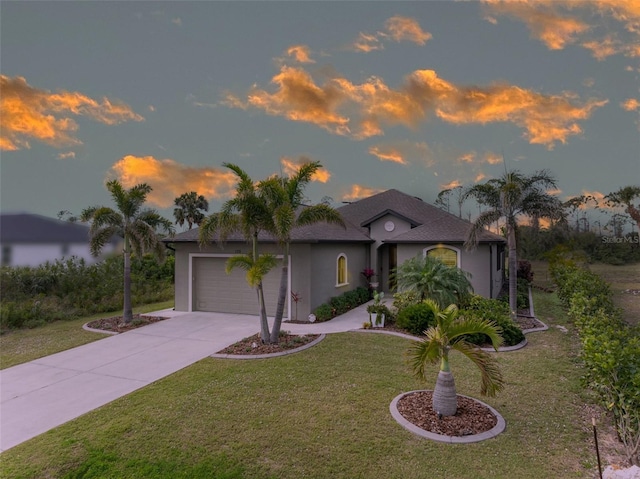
(492, 381)
(485, 219)
(424, 352)
(464, 326)
(320, 213)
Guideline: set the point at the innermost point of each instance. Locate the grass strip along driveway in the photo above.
(323, 413)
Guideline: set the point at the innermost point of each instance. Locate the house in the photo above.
(382, 231)
(31, 240)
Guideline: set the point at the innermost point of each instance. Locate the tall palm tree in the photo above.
(189, 207)
(284, 197)
(246, 213)
(509, 197)
(138, 226)
(447, 334)
(430, 278)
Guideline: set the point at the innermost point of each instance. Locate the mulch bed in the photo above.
(470, 418)
(253, 345)
(115, 323)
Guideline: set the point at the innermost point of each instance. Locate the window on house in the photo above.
(448, 256)
(341, 270)
(6, 255)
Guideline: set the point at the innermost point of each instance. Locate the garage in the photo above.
(215, 290)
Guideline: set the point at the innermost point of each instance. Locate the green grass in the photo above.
(323, 413)
(23, 345)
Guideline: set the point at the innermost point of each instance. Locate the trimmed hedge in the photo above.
(341, 304)
(415, 318)
(610, 349)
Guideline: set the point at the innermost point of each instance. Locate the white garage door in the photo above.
(215, 290)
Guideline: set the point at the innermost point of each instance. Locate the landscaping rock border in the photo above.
(86, 327)
(491, 433)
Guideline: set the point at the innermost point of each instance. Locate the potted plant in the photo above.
(378, 309)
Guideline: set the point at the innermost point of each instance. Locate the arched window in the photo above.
(447, 254)
(341, 270)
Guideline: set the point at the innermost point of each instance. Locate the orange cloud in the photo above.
(403, 152)
(630, 104)
(479, 177)
(492, 158)
(29, 113)
(555, 191)
(468, 157)
(358, 192)
(450, 185)
(387, 153)
(297, 98)
(361, 110)
(397, 28)
(300, 53)
(64, 156)
(169, 179)
(366, 43)
(291, 166)
(546, 23)
(406, 29)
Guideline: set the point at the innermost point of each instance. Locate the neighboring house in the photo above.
(381, 232)
(31, 240)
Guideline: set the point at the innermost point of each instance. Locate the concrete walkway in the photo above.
(47, 392)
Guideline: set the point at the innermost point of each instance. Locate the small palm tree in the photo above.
(247, 213)
(138, 226)
(508, 197)
(429, 277)
(448, 333)
(284, 197)
(189, 208)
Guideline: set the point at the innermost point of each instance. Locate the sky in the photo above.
(416, 96)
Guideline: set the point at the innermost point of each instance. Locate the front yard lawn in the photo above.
(324, 413)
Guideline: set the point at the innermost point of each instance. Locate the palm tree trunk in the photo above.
(282, 296)
(127, 312)
(513, 271)
(445, 399)
(264, 323)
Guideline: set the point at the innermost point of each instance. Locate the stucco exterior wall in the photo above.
(37, 254)
(480, 262)
(379, 234)
(324, 266)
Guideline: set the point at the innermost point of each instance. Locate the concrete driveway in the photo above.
(47, 392)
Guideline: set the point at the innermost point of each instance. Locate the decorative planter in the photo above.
(378, 322)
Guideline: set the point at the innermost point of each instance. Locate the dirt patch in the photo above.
(253, 345)
(470, 418)
(115, 323)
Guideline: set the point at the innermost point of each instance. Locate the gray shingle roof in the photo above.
(429, 224)
(30, 228)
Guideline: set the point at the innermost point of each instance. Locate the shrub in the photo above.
(610, 349)
(497, 312)
(415, 318)
(323, 313)
(404, 299)
(525, 271)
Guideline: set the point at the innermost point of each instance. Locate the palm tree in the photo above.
(430, 278)
(510, 196)
(138, 226)
(447, 334)
(626, 197)
(246, 213)
(284, 197)
(188, 208)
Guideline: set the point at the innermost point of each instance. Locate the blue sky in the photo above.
(417, 96)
